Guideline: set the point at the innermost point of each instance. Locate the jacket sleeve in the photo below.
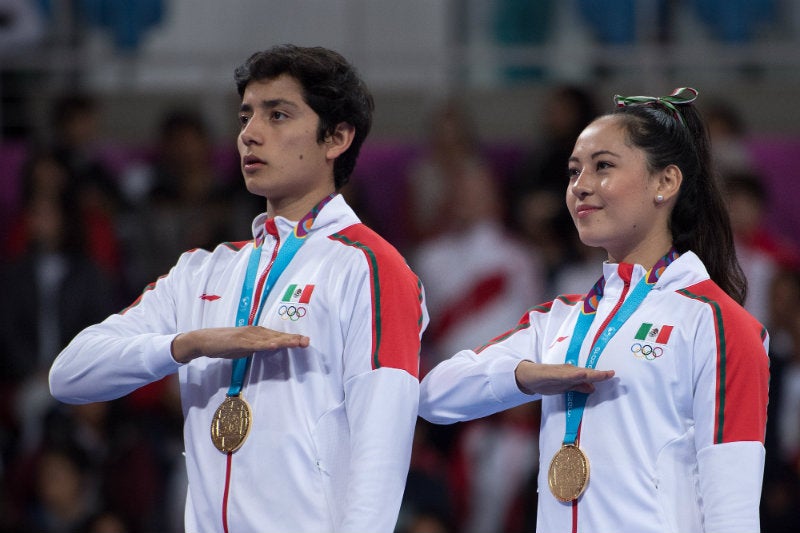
(381, 389)
(730, 485)
(731, 377)
(473, 384)
(382, 412)
(128, 350)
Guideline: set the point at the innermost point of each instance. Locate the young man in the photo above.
(305, 426)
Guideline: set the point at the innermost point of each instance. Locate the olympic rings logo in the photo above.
(645, 351)
(291, 312)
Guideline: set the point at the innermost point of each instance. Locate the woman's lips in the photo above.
(585, 210)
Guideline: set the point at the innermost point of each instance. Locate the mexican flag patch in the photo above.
(300, 294)
(655, 333)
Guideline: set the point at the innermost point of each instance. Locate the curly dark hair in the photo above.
(331, 87)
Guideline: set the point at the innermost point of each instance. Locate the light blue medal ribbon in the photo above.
(576, 401)
(242, 317)
(285, 255)
(232, 420)
(568, 475)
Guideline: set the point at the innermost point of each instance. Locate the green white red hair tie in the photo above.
(680, 96)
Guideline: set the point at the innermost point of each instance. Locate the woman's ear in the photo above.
(339, 141)
(669, 183)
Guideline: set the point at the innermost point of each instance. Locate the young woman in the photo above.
(672, 438)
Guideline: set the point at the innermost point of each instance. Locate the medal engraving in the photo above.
(569, 473)
(231, 424)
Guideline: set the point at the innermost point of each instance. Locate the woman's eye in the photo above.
(573, 172)
(603, 164)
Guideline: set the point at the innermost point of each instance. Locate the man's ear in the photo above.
(339, 141)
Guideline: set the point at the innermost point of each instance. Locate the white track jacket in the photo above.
(330, 442)
(674, 440)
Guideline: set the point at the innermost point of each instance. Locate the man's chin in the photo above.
(254, 187)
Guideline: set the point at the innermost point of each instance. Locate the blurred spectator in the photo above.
(785, 367)
(451, 156)
(128, 463)
(74, 142)
(749, 202)
(183, 201)
(761, 251)
(52, 290)
(495, 459)
(780, 502)
(45, 177)
(478, 278)
(42, 177)
(427, 504)
(728, 133)
(536, 193)
(63, 494)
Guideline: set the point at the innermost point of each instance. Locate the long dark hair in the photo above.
(699, 221)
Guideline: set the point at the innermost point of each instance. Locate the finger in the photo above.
(600, 375)
(263, 331)
(295, 340)
(277, 344)
(286, 340)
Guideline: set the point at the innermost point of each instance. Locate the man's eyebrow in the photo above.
(277, 102)
(269, 104)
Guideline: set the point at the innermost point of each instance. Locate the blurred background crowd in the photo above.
(117, 153)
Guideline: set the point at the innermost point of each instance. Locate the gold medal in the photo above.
(569, 473)
(231, 424)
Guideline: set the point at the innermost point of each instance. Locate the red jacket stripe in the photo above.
(742, 367)
(525, 321)
(396, 296)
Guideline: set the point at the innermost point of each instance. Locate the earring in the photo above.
(659, 198)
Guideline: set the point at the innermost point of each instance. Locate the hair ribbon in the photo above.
(680, 96)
